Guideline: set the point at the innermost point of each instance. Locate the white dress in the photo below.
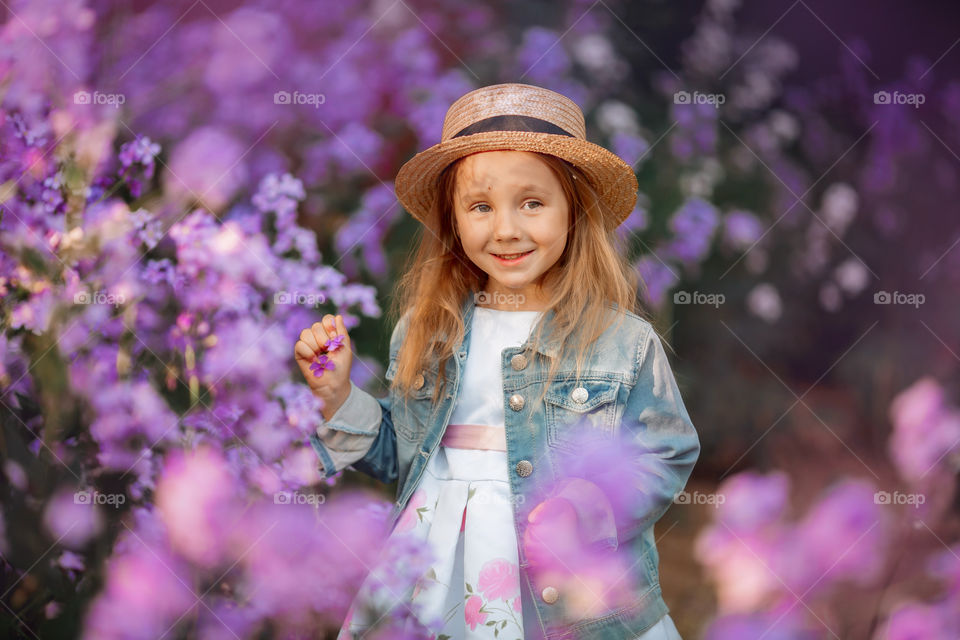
(463, 509)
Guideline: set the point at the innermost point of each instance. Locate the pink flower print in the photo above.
(409, 518)
(516, 604)
(472, 613)
(499, 579)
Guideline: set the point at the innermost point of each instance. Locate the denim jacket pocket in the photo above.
(590, 403)
(412, 416)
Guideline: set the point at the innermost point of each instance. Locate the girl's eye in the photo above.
(477, 207)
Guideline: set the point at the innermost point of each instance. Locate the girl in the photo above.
(517, 318)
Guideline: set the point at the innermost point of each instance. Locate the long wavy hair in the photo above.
(591, 274)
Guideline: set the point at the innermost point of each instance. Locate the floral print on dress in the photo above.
(498, 601)
(499, 578)
(413, 513)
(471, 591)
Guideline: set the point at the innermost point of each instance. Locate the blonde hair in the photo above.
(591, 273)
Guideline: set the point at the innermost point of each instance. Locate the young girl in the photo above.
(518, 318)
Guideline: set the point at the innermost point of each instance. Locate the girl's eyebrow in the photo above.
(481, 192)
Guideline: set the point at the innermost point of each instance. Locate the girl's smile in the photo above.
(512, 258)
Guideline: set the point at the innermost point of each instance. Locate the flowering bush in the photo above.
(184, 187)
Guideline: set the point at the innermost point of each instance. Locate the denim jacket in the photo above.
(631, 392)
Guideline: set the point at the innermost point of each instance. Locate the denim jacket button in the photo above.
(524, 468)
(418, 381)
(550, 595)
(518, 362)
(579, 395)
(516, 402)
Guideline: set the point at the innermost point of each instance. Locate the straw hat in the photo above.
(521, 117)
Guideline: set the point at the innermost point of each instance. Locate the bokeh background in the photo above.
(185, 185)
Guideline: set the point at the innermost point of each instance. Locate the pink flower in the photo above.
(499, 579)
(472, 613)
(516, 604)
(408, 519)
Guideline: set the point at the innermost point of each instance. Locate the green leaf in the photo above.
(491, 623)
(469, 588)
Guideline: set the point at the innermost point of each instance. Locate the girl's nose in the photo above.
(505, 225)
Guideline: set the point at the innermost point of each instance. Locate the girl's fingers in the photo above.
(309, 337)
(320, 334)
(304, 351)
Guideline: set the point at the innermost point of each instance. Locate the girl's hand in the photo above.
(333, 384)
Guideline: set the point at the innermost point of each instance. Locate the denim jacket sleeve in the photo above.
(371, 448)
(360, 433)
(656, 422)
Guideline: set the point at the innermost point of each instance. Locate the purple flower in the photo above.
(752, 500)
(693, 226)
(195, 499)
(321, 364)
(925, 430)
(72, 517)
(657, 277)
(741, 229)
(334, 343)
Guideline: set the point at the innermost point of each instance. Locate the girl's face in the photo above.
(508, 203)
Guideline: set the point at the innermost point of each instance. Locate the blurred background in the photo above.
(185, 186)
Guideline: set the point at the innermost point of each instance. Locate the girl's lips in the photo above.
(520, 258)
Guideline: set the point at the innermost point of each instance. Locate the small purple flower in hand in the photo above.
(334, 343)
(320, 364)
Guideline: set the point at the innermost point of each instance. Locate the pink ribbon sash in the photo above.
(474, 436)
